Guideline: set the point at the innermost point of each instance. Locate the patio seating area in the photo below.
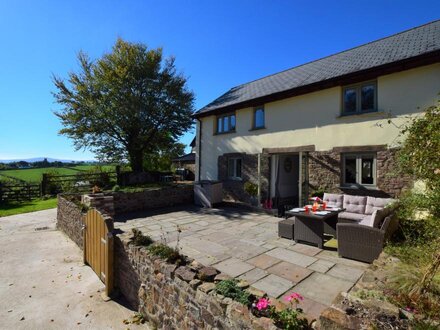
(245, 245)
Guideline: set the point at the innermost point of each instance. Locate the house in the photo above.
(186, 164)
(323, 125)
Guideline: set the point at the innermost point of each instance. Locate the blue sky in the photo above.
(217, 44)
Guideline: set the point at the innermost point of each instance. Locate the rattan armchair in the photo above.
(364, 243)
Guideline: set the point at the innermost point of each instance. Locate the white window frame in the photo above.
(358, 157)
(234, 174)
(358, 88)
(228, 117)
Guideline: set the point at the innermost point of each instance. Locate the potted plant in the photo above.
(252, 190)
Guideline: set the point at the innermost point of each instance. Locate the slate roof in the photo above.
(405, 45)
(186, 158)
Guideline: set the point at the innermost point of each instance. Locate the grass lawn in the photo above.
(35, 174)
(28, 206)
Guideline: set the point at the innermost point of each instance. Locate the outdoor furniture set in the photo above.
(361, 224)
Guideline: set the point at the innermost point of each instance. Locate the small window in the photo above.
(359, 169)
(359, 98)
(226, 123)
(234, 168)
(258, 118)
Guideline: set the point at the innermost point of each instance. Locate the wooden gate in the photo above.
(98, 246)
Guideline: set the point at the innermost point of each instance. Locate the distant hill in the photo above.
(40, 159)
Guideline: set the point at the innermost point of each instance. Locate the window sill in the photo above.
(358, 187)
(223, 133)
(362, 114)
(234, 179)
(257, 128)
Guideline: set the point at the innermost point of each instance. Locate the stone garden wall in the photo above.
(70, 219)
(172, 297)
(153, 198)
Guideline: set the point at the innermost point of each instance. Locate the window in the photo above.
(359, 169)
(258, 118)
(234, 168)
(225, 123)
(359, 98)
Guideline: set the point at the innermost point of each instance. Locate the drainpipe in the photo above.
(199, 147)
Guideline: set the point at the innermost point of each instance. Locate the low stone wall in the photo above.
(172, 297)
(70, 219)
(153, 198)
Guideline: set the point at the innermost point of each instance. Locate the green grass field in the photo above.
(35, 174)
(28, 206)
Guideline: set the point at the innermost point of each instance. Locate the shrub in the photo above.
(140, 239)
(290, 319)
(230, 289)
(116, 188)
(251, 188)
(167, 253)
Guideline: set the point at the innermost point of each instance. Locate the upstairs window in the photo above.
(359, 98)
(359, 169)
(234, 168)
(225, 123)
(258, 121)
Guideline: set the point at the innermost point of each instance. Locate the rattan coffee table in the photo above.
(310, 227)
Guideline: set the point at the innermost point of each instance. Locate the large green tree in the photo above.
(129, 103)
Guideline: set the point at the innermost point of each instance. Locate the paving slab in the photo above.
(345, 272)
(322, 288)
(263, 261)
(308, 250)
(273, 285)
(321, 266)
(292, 256)
(233, 267)
(291, 272)
(254, 275)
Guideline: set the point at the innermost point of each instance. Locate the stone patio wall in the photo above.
(172, 297)
(70, 219)
(153, 198)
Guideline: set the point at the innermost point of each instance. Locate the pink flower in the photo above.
(262, 303)
(294, 296)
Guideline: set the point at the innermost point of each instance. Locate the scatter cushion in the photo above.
(355, 204)
(351, 216)
(374, 203)
(334, 200)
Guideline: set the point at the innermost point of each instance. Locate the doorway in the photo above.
(284, 188)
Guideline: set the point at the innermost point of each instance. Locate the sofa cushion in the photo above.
(368, 220)
(333, 199)
(374, 203)
(355, 204)
(351, 216)
(376, 219)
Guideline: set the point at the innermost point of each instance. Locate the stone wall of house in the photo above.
(233, 190)
(172, 297)
(325, 172)
(388, 178)
(153, 198)
(70, 219)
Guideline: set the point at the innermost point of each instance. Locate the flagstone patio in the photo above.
(245, 245)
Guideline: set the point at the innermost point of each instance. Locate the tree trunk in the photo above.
(136, 160)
